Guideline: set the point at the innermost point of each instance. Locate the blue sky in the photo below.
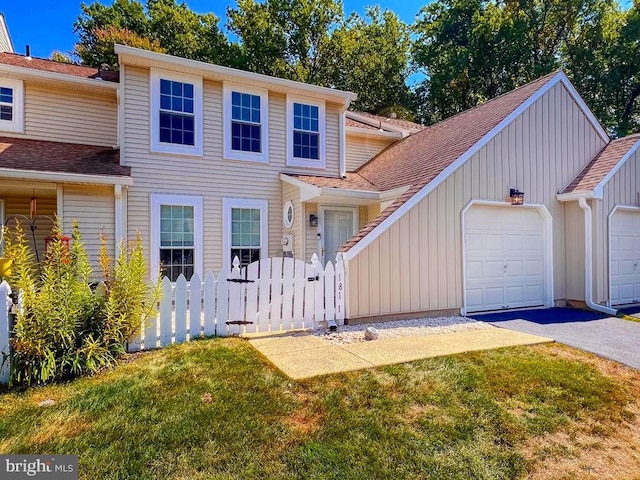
(48, 25)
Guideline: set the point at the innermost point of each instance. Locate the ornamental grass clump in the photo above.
(65, 328)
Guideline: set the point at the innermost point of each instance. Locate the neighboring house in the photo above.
(211, 163)
(5, 40)
(58, 130)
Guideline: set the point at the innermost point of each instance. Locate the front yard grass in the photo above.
(217, 409)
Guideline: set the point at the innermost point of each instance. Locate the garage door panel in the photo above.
(514, 295)
(624, 262)
(511, 274)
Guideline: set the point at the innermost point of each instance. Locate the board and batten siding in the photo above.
(94, 209)
(361, 149)
(65, 115)
(574, 251)
(210, 176)
(621, 189)
(416, 264)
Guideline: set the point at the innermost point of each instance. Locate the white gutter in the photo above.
(62, 177)
(588, 260)
(571, 196)
(365, 132)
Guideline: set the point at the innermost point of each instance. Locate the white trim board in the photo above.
(547, 225)
(444, 174)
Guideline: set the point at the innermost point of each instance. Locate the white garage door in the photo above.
(625, 257)
(504, 258)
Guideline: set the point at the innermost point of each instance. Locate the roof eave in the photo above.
(364, 132)
(577, 195)
(65, 177)
(220, 73)
(60, 77)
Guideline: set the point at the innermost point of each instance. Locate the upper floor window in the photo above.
(245, 123)
(176, 113)
(11, 105)
(306, 132)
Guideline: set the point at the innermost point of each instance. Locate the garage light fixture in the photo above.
(516, 196)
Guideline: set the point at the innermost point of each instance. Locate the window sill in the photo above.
(176, 149)
(246, 157)
(306, 163)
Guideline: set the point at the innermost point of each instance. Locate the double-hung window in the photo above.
(305, 132)
(11, 105)
(176, 235)
(176, 113)
(246, 123)
(246, 230)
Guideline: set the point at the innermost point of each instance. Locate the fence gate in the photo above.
(272, 295)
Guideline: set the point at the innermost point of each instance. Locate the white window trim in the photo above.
(229, 153)
(154, 118)
(17, 124)
(158, 199)
(227, 205)
(322, 126)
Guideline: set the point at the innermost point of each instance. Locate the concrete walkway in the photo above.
(303, 355)
(609, 337)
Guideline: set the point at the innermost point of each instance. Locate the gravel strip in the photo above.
(347, 334)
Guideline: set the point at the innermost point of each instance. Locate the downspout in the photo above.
(588, 260)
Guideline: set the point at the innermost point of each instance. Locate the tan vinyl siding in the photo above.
(69, 116)
(362, 149)
(311, 233)
(416, 265)
(94, 209)
(20, 205)
(210, 176)
(622, 189)
(292, 193)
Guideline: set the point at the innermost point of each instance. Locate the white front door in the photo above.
(625, 257)
(338, 226)
(504, 258)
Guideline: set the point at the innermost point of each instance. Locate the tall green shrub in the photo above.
(64, 328)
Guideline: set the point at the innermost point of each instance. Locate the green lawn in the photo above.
(500, 414)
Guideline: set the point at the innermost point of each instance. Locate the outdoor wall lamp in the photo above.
(516, 196)
(313, 220)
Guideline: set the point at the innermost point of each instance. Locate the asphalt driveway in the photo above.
(608, 337)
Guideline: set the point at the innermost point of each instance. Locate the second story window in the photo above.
(305, 132)
(245, 123)
(177, 118)
(11, 105)
(176, 113)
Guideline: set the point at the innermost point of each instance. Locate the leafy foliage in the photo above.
(63, 327)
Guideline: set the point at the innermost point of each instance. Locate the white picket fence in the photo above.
(273, 295)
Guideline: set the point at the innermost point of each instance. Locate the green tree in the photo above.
(473, 50)
(161, 25)
(370, 56)
(286, 38)
(58, 56)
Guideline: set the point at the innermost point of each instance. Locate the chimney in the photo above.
(28, 52)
